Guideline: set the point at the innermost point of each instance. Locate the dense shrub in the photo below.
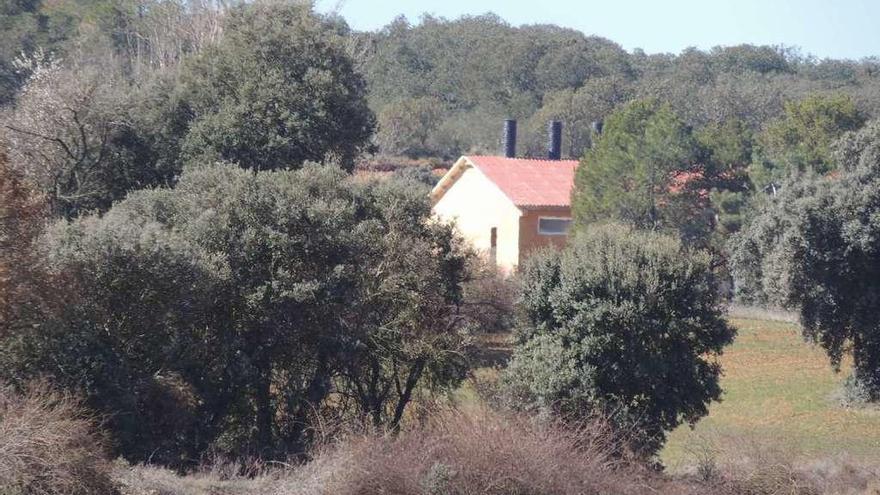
(49, 445)
(277, 89)
(624, 324)
(231, 312)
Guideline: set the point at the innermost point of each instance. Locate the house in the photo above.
(508, 206)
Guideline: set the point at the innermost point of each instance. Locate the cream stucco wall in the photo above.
(475, 205)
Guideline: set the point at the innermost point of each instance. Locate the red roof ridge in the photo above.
(529, 182)
(521, 159)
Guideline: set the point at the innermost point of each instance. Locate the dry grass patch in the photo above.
(153, 480)
(751, 465)
(49, 445)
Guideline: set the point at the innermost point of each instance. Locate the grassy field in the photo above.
(778, 393)
(778, 390)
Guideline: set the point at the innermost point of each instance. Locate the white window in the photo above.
(553, 226)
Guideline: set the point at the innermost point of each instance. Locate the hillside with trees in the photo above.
(450, 82)
(440, 87)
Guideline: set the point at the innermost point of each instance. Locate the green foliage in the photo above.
(754, 260)
(407, 126)
(276, 91)
(639, 172)
(483, 70)
(482, 61)
(727, 153)
(475, 71)
(650, 170)
(731, 209)
(577, 109)
(89, 132)
(622, 323)
(760, 59)
(479, 70)
(801, 139)
(857, 390)
(420, 174)
(236, 310)
(813, 249)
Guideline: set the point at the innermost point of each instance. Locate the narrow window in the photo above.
(493, 244)
(553, 226)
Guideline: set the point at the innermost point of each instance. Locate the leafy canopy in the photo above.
(277, 90)
(639, 172)
(801, 139)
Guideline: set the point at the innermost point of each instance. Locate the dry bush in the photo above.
(842, 476)
(23, 286)
(153, 480)
(490, 297)
(49, 445)
(747, 465)
(761, 467)
(484, 452)
(476, 452)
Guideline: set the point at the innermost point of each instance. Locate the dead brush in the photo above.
(49, 445)
(763, 466)
(479, 451)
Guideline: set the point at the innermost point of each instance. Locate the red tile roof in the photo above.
(530, 182)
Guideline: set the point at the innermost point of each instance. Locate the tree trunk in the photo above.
(314, 394)
(263, 401)
(415, 374)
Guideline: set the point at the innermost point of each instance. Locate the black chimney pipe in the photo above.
(509, 138)
(554, 140)
(596, 128)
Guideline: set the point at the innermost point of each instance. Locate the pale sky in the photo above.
(825, 28)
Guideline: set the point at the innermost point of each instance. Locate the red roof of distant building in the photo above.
(681, 180)
(530, 182)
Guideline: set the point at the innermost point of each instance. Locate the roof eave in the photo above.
(448, 179)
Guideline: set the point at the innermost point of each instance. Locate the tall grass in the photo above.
(476, 452)
(49, 445)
